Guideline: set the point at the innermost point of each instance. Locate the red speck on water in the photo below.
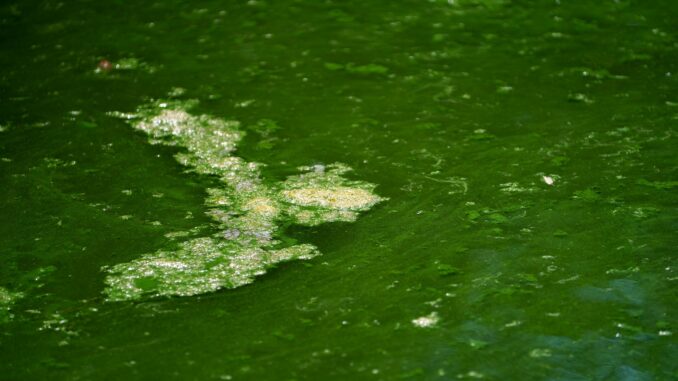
(105, 65)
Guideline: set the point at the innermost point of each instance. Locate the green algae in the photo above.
(661, 185)
(7, 299)
(447, 270)
(358, 69)
(264, 127)
(579, 98)
(247, 211)
(321, 194)
(200, 265)
(588, 195)
(366, 69)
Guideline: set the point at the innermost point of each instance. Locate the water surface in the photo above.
(527, 151)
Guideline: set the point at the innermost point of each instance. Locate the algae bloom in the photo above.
(247, 211)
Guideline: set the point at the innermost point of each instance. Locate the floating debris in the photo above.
(548, 180)
(104, 65)
(123, 64)
(247, 211)
(427, 321)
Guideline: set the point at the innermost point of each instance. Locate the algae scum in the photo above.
(339, 190)
(247, 211)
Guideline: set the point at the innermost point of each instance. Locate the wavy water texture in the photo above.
(247, 210)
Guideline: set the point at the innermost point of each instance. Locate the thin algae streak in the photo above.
(247, 211)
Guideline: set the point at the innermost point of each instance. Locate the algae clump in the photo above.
(7, 299)
(247, 211)
(322, 194)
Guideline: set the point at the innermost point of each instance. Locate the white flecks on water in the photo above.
(428, 321)
(247, 210)
(7, 299)
(548, 180)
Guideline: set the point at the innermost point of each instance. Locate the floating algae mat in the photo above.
(248, 211)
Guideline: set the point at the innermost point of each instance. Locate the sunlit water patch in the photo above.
(247, 210)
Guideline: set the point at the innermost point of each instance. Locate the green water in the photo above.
(525, 151)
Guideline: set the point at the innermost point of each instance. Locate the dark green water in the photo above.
(460, 112)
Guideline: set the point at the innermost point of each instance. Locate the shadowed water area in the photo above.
(476, 189)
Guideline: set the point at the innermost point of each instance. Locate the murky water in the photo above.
(511, 212)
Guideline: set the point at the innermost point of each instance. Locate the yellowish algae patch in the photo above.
(322, 194)
(199, 265)
(7, 299)
(335, 198)
(247, 211)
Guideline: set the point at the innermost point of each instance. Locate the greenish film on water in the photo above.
(339, 190)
